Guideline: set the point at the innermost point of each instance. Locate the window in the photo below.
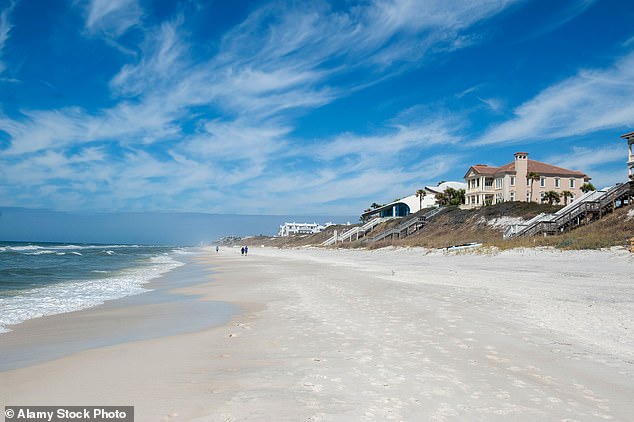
(498, 183)
(542, 182)
(512, 196)
(541, 198)
(528, 196)
(512, 180)
(557, 182)
(572, 183)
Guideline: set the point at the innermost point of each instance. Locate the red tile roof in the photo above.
(533, 166)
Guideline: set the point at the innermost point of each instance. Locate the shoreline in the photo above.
(395, 334)
(163, 310)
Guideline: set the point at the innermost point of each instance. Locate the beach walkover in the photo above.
(590, 207)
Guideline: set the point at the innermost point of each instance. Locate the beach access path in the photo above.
(356, 335)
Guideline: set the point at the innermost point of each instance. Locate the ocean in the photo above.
(38, 279)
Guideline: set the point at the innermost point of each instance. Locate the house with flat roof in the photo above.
(291, 229)
(511, 182)
(630, 153)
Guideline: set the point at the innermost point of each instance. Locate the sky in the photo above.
(305, 108)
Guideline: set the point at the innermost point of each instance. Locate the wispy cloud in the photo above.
(395, 141)
(112, 17)
(565, 15)
(595, 162)
(590, 101)
(585, 159)
(188, 131)
(5, 28)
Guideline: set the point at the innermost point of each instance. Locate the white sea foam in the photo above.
(41, 252)
(76, 295)
(54, 248)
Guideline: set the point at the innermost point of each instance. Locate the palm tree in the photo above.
(421, 194)
(587, 187)
(566, 194)
(375, 206)
(551, 196)
(532, 177)
(451, 197)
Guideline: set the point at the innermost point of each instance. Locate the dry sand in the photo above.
(349, 335)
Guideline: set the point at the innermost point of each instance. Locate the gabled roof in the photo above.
(482, 169)
(533, 166)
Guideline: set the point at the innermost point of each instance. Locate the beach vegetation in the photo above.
(451, 197)
(566, 194)
(587, 187)
(420, 193)
(531, 178)
(456, 226)
(552, 197)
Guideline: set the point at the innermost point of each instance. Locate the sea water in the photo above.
(38, 279)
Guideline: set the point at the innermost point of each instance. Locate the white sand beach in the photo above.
(355, 335)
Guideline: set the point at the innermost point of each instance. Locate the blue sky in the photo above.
(274, 107)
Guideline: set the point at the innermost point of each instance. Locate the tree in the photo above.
(566, 194)
(451, 196)
(531, 178)
(587, 187)
(421, 194)
(551, 196)
(375, 206)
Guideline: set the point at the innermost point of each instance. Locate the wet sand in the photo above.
(370, 335)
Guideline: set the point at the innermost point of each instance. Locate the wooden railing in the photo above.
(587, 208)
(408, 227)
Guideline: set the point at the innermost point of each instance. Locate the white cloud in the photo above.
(395, 141)
(5, 28)
(585, 159)
(112, 17)
(588, 102)
(596, 162)
(493, 104)
(277, 63)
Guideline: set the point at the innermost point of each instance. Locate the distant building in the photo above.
(291, 229)
(411, 204)
(630, 153)
(492, 185)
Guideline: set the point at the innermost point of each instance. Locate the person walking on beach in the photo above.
(242, 250)
(217, 249)
(246, 249)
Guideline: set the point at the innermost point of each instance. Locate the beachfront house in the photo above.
(412, 203)
(292, 229)
(630, 153)
(522, 179)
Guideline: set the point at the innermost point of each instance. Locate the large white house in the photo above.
(510, 182)
(630, 153)
(413, 203)
(290, 229)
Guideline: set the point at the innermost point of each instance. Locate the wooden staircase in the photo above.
(588, 208)
(406, 228)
